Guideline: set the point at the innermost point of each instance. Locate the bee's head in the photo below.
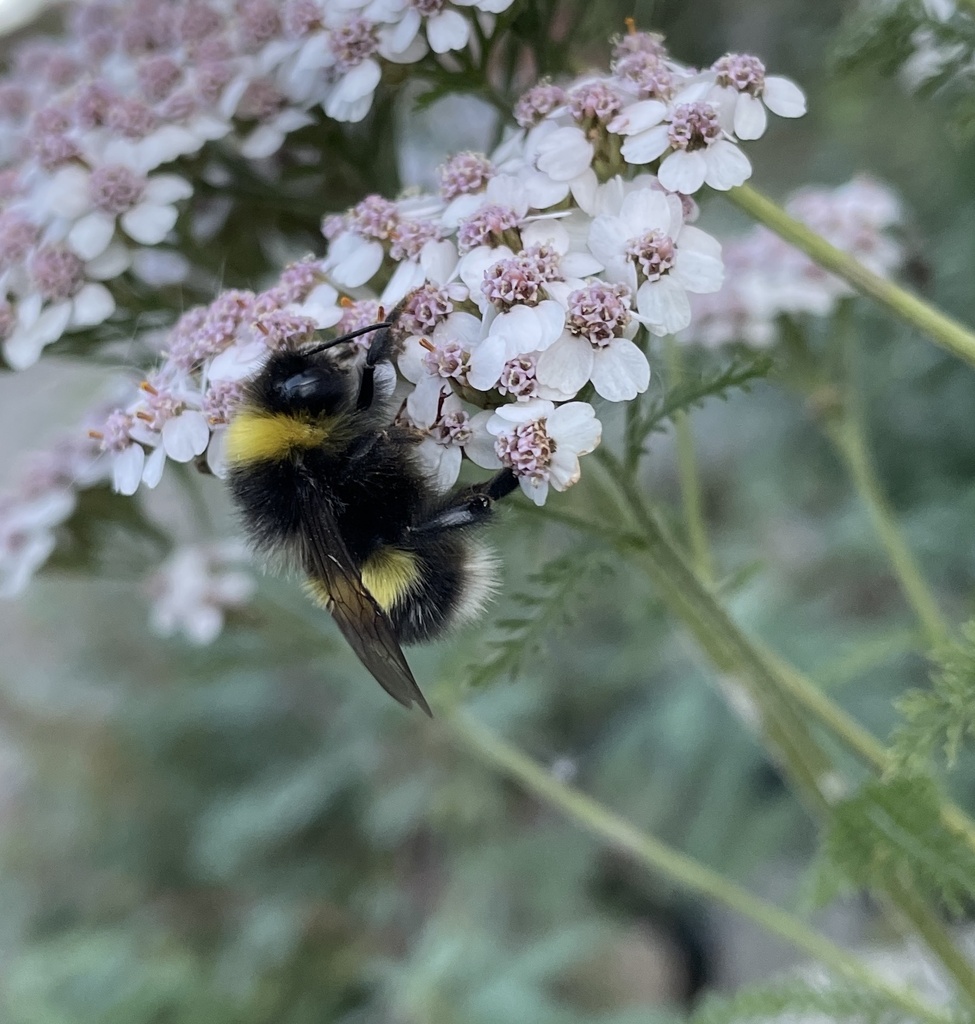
(295, 382)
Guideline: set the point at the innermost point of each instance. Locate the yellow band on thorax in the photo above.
(255, 435)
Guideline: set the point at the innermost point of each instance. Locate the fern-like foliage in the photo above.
(940, 717)
(542, 609)
(740, 374)
(797, 1000)
(890, 834)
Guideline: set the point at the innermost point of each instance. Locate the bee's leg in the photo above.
(468, 506)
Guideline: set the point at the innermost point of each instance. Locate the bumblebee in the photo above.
(330, 487)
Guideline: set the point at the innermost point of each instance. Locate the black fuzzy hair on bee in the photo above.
(325, 482)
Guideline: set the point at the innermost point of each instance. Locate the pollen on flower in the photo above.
(113, 435)
(285, 330)
(518, 378)
(638, 42)
(221, 400)
(648, 73)
(259, 22)
(447, 360)
(513, 282)
(599, 312)
(486, 227)
(130, 117)
(408, 238)
(298, 279)
(740, 71)
(594, 101)
(653, 252)
(115, 188)
(527, 449)
(373, 217)
(301, 17)
(425, 308)
(453, 428)
(56, 272)
(17, 237)
(353, 42)
(465, 173)
(694, 126)
(538, 103)
(158, 76)
(359, 314)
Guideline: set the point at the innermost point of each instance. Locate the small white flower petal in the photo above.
(147, 223)
(647, 146)
(727, 166)
(154, 465)
(574, 426)
(567, 365)
(663, 305)
(684, 171)
(620, 371)
(750, 117)
(185, 436)
(448, 30)
(783, 97)
(92, 305)
(90, 235)
(127, 469)
(565, 154)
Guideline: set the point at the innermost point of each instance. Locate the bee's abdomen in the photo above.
(450, 580)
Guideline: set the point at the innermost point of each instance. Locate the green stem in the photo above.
(844, 423)
(847, 435)
(690, 481)
(948, 333)
(673, 864)
(746, 663)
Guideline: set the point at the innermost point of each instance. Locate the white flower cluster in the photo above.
(766, 278)
(87, 120)
(524, 287)
(523, 282)
(197, 586)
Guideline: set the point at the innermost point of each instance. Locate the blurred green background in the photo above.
(253, 832)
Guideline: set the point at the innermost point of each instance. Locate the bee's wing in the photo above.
(362, 622)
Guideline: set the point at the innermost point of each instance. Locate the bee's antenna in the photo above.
(349, 337)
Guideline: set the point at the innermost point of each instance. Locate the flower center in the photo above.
(595, 101)
(486, 227)
(538, 103)
(653, 253)
(448, 360)
(528, 450)
(114, 188)
(374, 217)
(352, 43)
(740, 71)
(454, 428)
(599, 312)
(463, 174)
(694, 126)
(428, 7)
(56, 273)
(425, 308)
(518, 378)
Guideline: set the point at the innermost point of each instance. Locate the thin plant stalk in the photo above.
(845, 427)
(671, 863)
(943, 329)
(744, 666)
(690, 481)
